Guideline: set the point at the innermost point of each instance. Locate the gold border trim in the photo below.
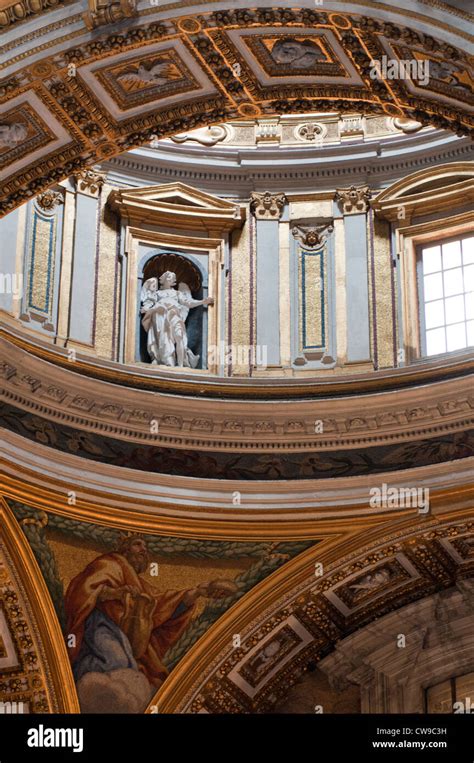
(181, 684)
(39, 598)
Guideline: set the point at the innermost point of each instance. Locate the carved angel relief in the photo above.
(313, 236)
(165, 309)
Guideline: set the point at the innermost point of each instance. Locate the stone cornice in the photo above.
(148, 379)
(222, 170)
(31, 473)
(454, 189)
(240, 425)
(12, 13)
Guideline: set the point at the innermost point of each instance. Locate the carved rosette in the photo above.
(89, 182)
(267, 206)
(313, 236)
(354, 200)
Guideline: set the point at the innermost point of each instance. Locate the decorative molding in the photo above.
(49, 200)
(131, 89)
(266, 205)
(103, 12)
(205, 136)
(16, 12)
(33, 474)
(42, 679)
(311, 131)
(267, 132)
(238, 168)
(352, 126)
(407, 126)
(453, 187)
(187, 384)
(52, 398)
(354, 200)
(179, 206)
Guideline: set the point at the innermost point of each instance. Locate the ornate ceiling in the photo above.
(312, 604)
(82, 84)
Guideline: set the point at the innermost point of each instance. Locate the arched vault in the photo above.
(81, 82)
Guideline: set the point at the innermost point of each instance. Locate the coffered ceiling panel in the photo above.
(99, 78)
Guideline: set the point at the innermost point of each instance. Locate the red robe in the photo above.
(114, 571)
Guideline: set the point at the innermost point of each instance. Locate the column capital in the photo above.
(354, 200)
(267, 206)
(89, 182)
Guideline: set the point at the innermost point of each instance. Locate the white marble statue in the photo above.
(164, 311)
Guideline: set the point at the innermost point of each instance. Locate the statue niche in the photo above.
(168, 336)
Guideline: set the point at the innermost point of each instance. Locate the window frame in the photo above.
(441, 241)
(407, 240)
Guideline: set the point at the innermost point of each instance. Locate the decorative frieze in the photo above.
(267, 132)
(352, 126)
(354, 200)
(370, 585)
(267, 206)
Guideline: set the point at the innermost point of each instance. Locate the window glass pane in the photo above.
(435, 341)
(456, 336)
(453, 283)
(451, 254)
(448, 295)
(469, 278)
(434, 313)
(470, 333)
(454, 309)
(468, 250)
(433, 287)
(431, 259)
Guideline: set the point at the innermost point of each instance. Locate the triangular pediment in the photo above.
(178, 194)
(177, 205)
